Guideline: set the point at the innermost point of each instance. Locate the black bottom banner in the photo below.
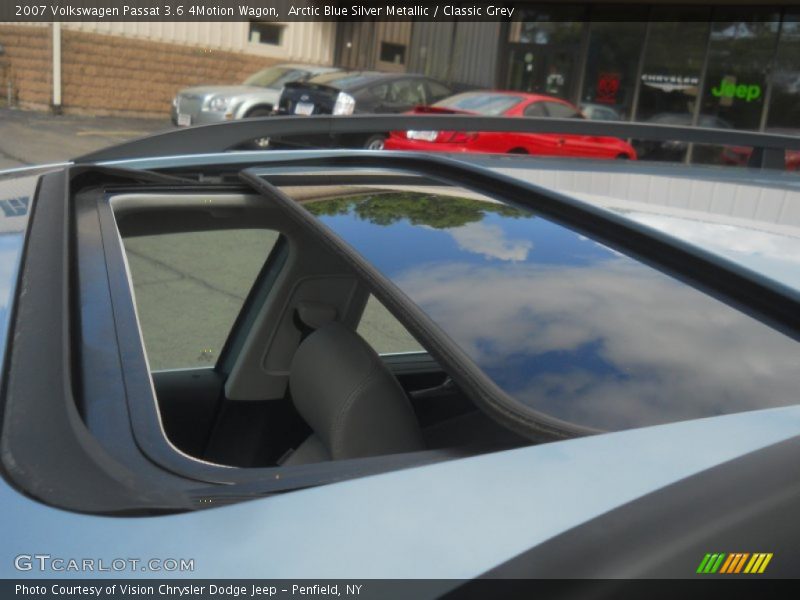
(390, 589)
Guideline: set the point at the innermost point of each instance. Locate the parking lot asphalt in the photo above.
(29, 137)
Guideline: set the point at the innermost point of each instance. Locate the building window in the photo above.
(543, 48)
(614, 48)
(671, 76)
(383, 332)
(784, 108)
(740, 52)
(393, 53)
(266, 33)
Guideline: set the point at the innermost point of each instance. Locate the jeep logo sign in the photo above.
(729, 89)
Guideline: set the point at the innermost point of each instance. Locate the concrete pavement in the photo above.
(28, 137)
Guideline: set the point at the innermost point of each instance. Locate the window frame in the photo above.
(538, 105)
(254, 26)
(384, 355)
(430, 84)
(140, 414)
(414, 84)
(576, 113)
(40, 395)
(263, 284)
(401, 50)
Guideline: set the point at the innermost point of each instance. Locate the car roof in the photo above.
(318, 69)
(356, 79)
(527, 97)
(468, 234)
(542, 487)
(685, 118)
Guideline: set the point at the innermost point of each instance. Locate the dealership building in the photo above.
(717, 65)
(723, 66)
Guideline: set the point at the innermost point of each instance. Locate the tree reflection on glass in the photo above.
(439, 212)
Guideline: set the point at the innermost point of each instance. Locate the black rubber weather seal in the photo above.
(745, 290)
(144, 417)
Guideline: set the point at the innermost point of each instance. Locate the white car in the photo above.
(257, 96)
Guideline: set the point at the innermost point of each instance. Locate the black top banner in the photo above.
(358, 10)
(245, 10)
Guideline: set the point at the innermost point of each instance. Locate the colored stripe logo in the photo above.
(734, 563)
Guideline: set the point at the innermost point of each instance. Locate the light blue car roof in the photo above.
(451, 520)
(455, 520)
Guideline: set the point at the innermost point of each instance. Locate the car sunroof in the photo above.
(562, 323)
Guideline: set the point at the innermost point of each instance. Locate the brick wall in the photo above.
(26, 63)
(104, 74)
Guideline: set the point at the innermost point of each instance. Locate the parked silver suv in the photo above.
(256, 97)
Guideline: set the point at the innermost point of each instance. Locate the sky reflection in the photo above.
(573, 329)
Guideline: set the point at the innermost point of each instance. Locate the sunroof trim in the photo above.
(483, 391)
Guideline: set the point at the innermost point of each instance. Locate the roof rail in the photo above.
(768, 149)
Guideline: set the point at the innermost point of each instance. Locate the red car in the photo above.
(738, 156)
(508, 104)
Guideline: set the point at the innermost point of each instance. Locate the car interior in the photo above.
(267, 350)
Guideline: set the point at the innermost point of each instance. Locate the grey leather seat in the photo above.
(348, 397)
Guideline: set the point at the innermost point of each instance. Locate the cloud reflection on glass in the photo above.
(490, 242)
(571, 328)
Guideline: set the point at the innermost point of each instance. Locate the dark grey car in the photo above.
(354, 92)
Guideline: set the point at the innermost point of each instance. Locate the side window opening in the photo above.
(189, 288)
(535, 110)
(379, 91)
(438, 91)
(174, 282)
(408, 92)
(384, 332)
(562, 111)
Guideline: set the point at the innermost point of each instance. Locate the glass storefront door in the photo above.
(544, 48)
(609, 85)
(740, 53)
(546, 70)
(671, 77)
(784, 109)
(673, 65)
(709, 66)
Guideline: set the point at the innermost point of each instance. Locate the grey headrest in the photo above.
(349, 398)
